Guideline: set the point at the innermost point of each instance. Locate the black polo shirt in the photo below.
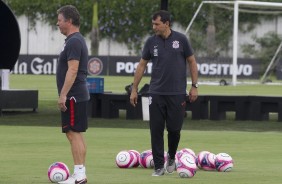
(168, 57)
(74, 49)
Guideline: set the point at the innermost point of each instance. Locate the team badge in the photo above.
(150, 100)
(175, 44)
(155, 50)
(95, 66)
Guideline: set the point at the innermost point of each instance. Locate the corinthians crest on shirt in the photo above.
(155, 50)
(175, 44)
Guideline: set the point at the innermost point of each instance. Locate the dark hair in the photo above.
(70, 12)
(165, 16)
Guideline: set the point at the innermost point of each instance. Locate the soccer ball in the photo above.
(125, 159)
(185, 150)
(223, 162)
(136, 159)
(58, 171)
(190, 151)
(208, 163)
(146, 159)
(178, 155)
(186, 167)
(202, 159)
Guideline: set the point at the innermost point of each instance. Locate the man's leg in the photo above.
(78, 147)
(176, 108)
(74, 123)
(157, 125)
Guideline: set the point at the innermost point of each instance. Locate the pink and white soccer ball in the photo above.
(178, 155)
(125, 159)
(136, 160)
(190, 151)
(146, 159)
(186, 167)
(223, 162)
(208, 163)
(58, 171)
(201, 159)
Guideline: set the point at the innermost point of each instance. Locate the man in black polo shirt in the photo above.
(73, 93)
(169, 51)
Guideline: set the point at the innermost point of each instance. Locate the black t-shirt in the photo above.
(74, 49)
(168, 57)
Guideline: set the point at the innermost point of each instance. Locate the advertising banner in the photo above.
(223, 67)
(126, 66)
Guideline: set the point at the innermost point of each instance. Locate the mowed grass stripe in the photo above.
(27, 151)
(46, 84)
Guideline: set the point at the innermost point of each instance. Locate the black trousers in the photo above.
(166, 111)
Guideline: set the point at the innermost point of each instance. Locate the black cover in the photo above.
(10, 38)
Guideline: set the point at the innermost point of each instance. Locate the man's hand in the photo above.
(193, 94)
(133, 98)
(62, 103)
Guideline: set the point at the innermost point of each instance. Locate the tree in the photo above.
(124, 21)
(129, 21)
(265, 49)
(47, 11)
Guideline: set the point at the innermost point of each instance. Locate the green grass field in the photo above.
(26, 153)
(30, 142)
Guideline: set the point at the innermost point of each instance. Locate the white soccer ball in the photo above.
(186, 167)
(223, 162)
(201, 159)
(146, 159)
(125, 159)
(58, 171)
(136, 158)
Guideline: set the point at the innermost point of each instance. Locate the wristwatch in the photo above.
(195, 85)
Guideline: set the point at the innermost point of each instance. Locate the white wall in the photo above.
(45, 40)
(41, 40)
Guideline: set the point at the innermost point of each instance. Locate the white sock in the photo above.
(79, 170)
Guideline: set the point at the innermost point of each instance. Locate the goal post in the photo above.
(236, 7)
(272, 62)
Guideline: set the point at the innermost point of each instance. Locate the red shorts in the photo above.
(75, 117)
